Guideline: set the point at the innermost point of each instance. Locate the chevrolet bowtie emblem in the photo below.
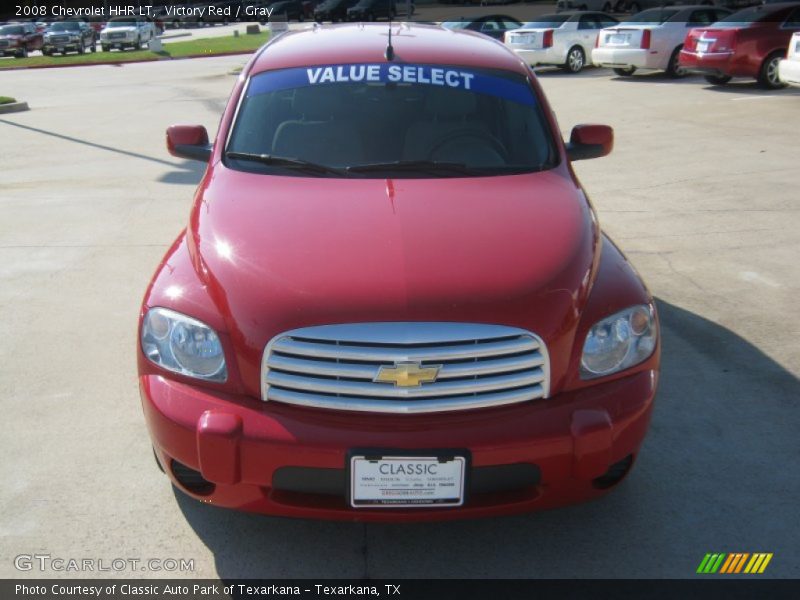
(407, 374)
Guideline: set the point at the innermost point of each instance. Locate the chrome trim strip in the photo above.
(408, 407)
(369, 372)
(352, 352)
(357, 388)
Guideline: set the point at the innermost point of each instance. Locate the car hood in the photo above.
(276, 253)
(119, 29)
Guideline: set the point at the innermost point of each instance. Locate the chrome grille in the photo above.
(335, 366)
(59, 39)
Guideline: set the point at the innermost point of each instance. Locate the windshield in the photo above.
(652, 16)
(11, 30)
(391, 120)
(64, 26)
(547, 22)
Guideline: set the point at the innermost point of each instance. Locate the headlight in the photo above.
(183, 345)
(618, 342)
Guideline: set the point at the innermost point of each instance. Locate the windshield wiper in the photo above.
(284, 161)
(430, 166)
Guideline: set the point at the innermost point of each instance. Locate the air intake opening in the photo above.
(615, 474)
(191, 480)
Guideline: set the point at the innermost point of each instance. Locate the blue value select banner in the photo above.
(449, 77)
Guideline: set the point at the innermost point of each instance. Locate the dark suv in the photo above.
(69, 36)
(371, 10)
(333, 10)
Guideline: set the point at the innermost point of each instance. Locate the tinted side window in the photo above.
(793, 22)
(699, 18)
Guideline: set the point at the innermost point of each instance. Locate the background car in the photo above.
(789, 68)
(333, 10)
(292, 9)
(371, 10)
(748, 43)
(494, 26)
(652, 39)
(126, 32)
(564, 39)
(605, 6)
(69, 36)
(17, 39)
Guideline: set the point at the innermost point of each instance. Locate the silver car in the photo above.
(127, 32)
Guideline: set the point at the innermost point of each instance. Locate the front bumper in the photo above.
(789, 71)
(61, 47)
(239, 444)
(623, 58)
(542, 56)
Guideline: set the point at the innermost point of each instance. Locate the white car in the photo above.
(652, 39)
(564, 39)
(127, 32)
(789, 67)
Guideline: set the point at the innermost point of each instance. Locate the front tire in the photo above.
(105, 48)
(768, 74)
(674, 68)
(23, 52)
(717, 79)
(625, 72)
(576, 59)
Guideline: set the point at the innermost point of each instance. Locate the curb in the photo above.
(122, 63)
(13, 107)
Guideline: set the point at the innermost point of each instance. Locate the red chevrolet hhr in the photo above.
(393, 300)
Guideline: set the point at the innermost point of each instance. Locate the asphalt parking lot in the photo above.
(701, 192)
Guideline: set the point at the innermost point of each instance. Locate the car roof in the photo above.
(366, 43)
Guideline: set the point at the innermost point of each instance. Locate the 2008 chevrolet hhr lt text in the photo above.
(393, 300)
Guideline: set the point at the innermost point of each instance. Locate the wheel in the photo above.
(625, 72)
(606, 7)
(138, 43)
(768, 74)
(576, 59)
(619, 6)
(94, 46)
(23, 52)
(45, 52)
(717, 79)
(635, 7)
(82, 48)
(674, 68)
(105, 48)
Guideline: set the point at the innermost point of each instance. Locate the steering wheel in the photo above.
(476, 134)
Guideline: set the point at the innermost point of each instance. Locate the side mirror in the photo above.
(590, 141)
(189, 141)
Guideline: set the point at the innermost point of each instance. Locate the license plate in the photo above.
(392, 481)
(523, 38)
(618, 39)
(703, 46)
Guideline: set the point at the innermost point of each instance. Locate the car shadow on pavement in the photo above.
(751, 88)
(718, 473)
(188, 172)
